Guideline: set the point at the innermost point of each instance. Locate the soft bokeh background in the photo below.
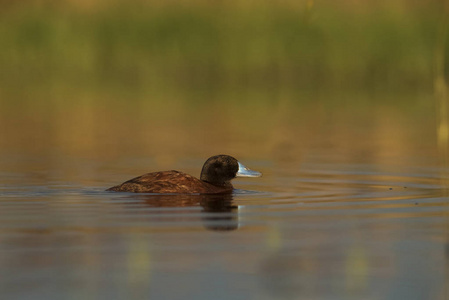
(106, 79)
(343, 105)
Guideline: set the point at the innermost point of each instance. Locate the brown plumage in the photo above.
(216, 176)
(169, 182)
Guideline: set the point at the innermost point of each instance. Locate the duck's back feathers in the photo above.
(170, 182)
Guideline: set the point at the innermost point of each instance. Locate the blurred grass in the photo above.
(200, 51)
(106, 79)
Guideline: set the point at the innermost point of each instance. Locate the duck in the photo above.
(215, 178)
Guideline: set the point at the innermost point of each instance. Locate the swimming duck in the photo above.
(216, 176)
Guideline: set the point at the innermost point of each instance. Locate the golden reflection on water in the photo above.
(283, 131)
(96, 141)
(139, 265)
(318, 225)
(442, 112)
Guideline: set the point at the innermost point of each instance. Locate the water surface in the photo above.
(332, 102)
(323, 227)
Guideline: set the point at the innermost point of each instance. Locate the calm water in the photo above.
(358, 211)
(334, 102)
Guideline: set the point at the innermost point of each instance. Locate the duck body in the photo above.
(216, 176)
(170, 182)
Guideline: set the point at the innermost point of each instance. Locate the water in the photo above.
(334, 104)
(351, 204)
(316, 229)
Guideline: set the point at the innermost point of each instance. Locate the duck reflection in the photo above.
(219, 212)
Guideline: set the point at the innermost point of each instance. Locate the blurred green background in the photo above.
(107, 78)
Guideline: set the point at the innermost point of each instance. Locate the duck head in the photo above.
(221, 169)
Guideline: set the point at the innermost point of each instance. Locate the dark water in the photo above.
(351, 205)
(311, 230)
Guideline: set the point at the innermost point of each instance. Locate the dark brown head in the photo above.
(221, 169)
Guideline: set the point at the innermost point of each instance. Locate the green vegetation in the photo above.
(201, 51)
(170, 79)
